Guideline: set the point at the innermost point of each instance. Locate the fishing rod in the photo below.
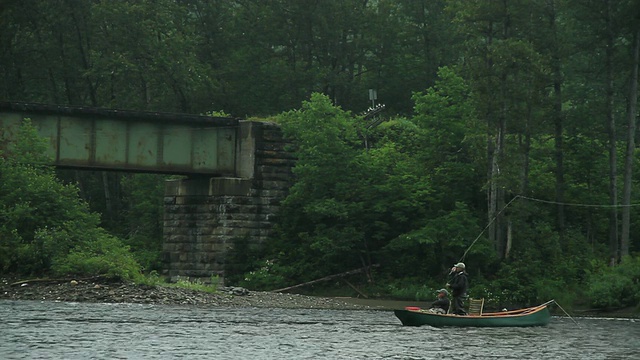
(547, 202)
(478, 237)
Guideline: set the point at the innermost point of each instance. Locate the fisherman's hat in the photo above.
(443, 291)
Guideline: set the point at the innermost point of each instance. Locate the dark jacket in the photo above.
(459, 284)
(442, 303)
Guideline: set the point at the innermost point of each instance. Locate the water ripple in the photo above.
(49, 330)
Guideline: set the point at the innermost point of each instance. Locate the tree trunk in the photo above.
(631, 145)
(526, 153)
(491, 189)
(611, 126)
(501, 239)
(497, 181)
(492, 165)
(107, 197)
(558, 122)
(84, 55)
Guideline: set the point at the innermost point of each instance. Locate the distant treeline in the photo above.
(511, 124)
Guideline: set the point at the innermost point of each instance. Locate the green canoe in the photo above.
(533, 316)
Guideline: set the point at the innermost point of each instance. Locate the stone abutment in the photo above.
(205, 217)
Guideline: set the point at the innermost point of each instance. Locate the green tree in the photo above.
(142, 214)
(347, 202)
(509, 71)
(447, 156)
(46, 228)
(318, 209)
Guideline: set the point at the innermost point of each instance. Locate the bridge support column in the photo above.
(204, 217)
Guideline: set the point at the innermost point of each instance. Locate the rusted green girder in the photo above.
(129, 140)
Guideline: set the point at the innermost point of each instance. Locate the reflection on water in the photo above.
(47, 330)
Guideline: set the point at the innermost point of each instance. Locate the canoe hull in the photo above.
(535, 316)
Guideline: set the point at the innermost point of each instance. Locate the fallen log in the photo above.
(351, 272)
(355, 288)
(57, 281)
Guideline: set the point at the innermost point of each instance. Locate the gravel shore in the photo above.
(118, 292)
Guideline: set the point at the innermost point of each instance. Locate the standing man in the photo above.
(459, 284)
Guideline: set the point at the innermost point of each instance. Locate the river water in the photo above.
(49, 330)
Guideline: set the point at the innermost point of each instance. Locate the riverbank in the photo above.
(101, 291)
(120, 292)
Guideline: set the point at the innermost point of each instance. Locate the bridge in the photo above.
(237, 172)
(110, 139)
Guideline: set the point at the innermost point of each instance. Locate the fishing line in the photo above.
(546, 202)
(575, 204)
(566, 313)
(486, 227)
(541, 201)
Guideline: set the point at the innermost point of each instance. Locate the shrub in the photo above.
(44, 226)
(412, 288)
(412, 292)
(267, 277)
(617, 286)
(105, 255)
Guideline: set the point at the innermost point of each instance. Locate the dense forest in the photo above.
(507, 139)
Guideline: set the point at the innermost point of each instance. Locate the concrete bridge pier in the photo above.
(205, 216)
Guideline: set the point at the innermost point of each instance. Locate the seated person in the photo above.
(441, 305)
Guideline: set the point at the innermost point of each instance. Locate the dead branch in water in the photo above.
(351, 272)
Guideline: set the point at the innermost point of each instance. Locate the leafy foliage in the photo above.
(143, 214)
(511, 101)
(269, 276)
(614, 287)
(317, 213)
(104, 255)
(45, 227)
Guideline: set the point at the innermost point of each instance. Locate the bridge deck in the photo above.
(82, 137)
